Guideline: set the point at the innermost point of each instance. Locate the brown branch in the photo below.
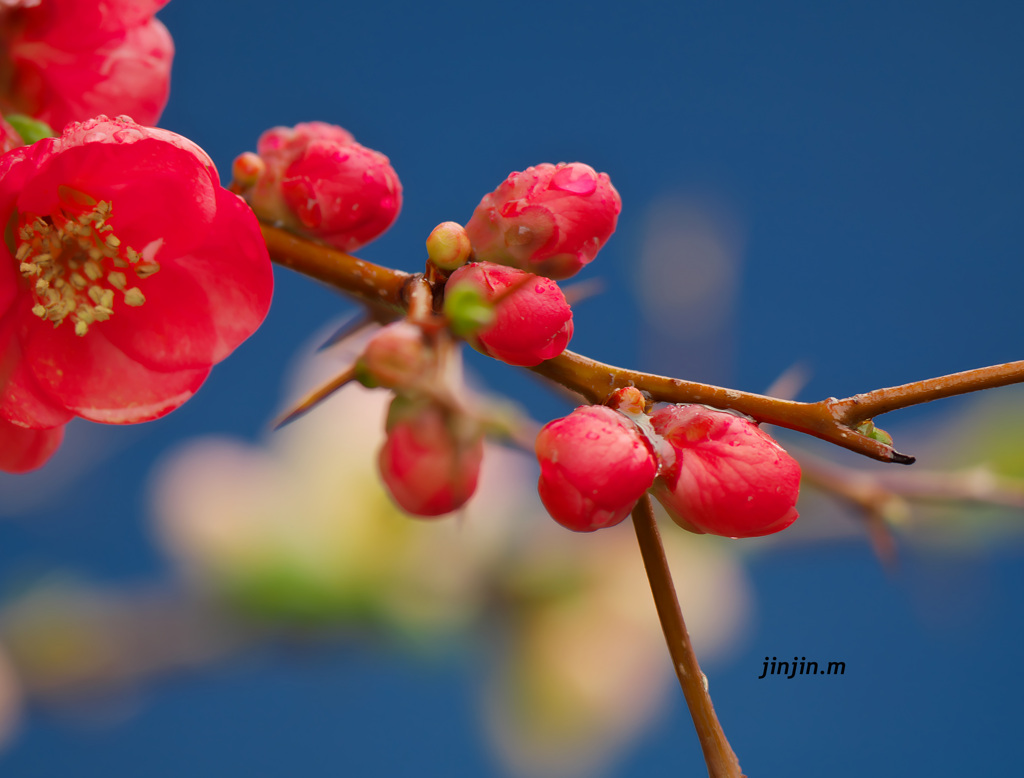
(718, 754)
(370, 283)
(596, 381)
(860, 407)
(829, 419)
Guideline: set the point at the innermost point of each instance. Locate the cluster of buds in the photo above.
(542, 224)
(713, 471)
(500, 295)
(430, 460)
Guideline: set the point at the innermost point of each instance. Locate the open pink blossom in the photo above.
(24, 449)
(127, 273)
(550, 219)
(315, 180)
(728, 478)
(431, 459)
(532, 319)
(594, 466)
(69, 60)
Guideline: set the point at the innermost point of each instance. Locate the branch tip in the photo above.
(902, 459)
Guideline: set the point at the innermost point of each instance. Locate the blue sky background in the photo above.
(869, 157)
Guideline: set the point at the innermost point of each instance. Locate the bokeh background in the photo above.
(833, 186)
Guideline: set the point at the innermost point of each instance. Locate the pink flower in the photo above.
(23, 449)
(728, 478)
(594, 466)
(431, 459)
(532, 320)
(550, 219)
(128, 272)
(69, 60)
(317, 181)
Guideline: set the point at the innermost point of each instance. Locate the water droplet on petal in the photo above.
(576, 179)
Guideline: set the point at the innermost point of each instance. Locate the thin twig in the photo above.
(860, 407)
(718, 754)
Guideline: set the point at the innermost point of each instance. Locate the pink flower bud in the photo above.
(247, 169)
(728, 478)
(431, 459)
(320, 183)
(629, 400)
(532, 320)
(594, 466)
(24, 449)
(394, 357)
(550, 219)
(448, 245)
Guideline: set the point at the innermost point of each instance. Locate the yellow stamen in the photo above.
(73, 261)
(134, 297)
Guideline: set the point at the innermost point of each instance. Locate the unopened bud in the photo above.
(868, 429)
(594, 466)
(320, 183)
(448, 246)
(728, 477)
(430, 461)
(247, 169)
(550, 219)
(531, 319)
(395, 357)
(628, 400)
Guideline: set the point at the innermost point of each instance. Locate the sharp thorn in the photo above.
(350, 326)
(314, 399)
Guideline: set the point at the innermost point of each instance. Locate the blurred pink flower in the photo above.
(70, 60)
(430, 461)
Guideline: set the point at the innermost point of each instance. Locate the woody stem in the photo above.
(718, 754)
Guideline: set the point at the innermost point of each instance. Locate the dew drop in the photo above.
(584, 184)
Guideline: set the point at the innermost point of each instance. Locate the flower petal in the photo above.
(23, 449)
(235, 271)
(22, 400)
(163, 199)
(99, 382)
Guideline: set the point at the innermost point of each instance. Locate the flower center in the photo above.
(77, 266)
